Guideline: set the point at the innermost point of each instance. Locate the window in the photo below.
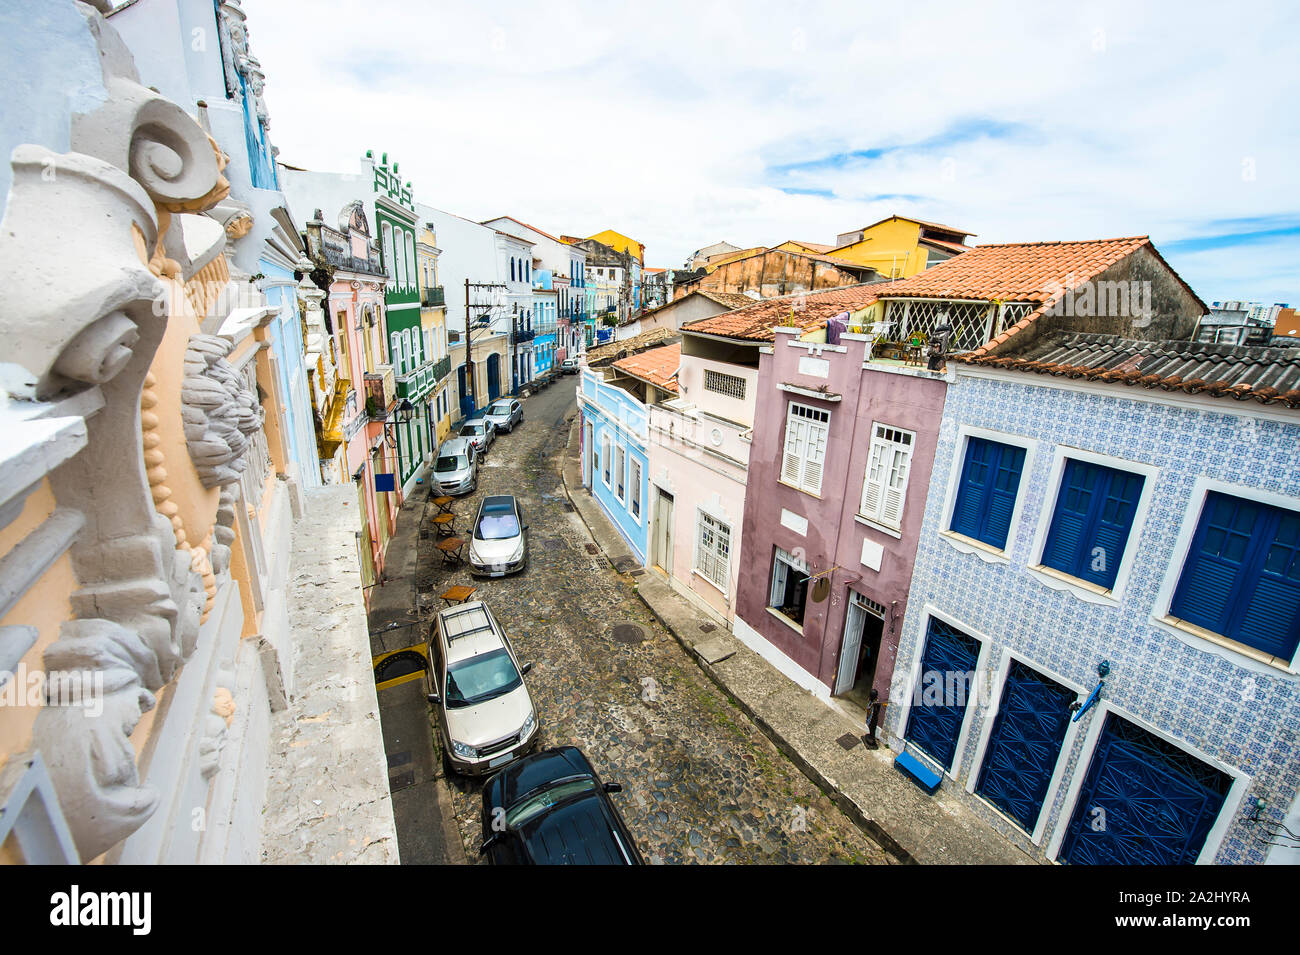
(986, 495)
(1090, 526)
(395, 352)
(888, 464)
(408, 360)
(733, 386)
(805, 447)
(391, 268)
(635, 481)
(410, 257)
(619, 473)
(604, 457)
(512, 270)
(712, 549)
(1241, 578)
(399, 237)
(789, 594)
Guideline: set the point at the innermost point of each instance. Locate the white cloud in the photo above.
(664, 121)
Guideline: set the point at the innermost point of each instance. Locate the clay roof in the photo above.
(815, 246)
(658, 366)
(525, 225)
(1244, 372)
(732, 300)
(630, 346)
(757, 320)
(929, 225)
(950, 246)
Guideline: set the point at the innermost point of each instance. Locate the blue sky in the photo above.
(686, 124)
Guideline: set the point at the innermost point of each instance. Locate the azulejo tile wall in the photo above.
(1246, 717)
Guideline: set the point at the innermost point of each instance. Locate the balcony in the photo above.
(525, 335)
(441, 368)
(381, 390)
(435, 297)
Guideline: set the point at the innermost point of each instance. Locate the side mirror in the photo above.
(434, 698)
(527, 667)
(613, 787)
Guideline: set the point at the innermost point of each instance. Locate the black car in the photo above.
(552, 809)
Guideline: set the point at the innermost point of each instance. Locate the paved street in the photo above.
(701, 783)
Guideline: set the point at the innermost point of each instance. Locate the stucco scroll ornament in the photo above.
(135, 160)
(220, 413)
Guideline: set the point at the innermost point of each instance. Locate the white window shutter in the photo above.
(792, 463)
(873, 486)
(892, 511)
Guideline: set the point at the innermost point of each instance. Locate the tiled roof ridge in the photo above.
(1019, 245)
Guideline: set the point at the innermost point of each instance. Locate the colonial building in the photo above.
(1100, 651)
(148, 511)
(430, 389)
(899, 247)
(771, 273)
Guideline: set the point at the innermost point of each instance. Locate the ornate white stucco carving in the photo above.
(91, 325)
(218, 411)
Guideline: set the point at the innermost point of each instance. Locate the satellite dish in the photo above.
(821, 589)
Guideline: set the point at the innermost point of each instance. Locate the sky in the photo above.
(686, 124)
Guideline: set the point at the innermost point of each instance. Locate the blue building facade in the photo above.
(1079, 534)
(615, 465)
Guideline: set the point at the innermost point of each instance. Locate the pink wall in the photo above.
(907, 399)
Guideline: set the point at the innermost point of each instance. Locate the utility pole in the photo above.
(469, 334)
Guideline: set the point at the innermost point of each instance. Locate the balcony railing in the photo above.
(434, 297)
(524, 335)
(441, 368)
(381, 387)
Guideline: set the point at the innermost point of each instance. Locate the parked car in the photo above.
(499, 544)
(480, 432)
(476, 681)
(569, 366)
(455, 468)
(504, 414)
(552, 809)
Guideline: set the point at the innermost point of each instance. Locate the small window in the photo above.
(1094, 513)
(789, 594)
(733, 386)
(713, 549)
(986, 495)
(619, 473)
(1241, 578)
(889, 463)
(604, 456)
(635, 481)
(805, 447)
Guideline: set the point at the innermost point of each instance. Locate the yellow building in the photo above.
(433, 326)
(898, 247)
(621, 243)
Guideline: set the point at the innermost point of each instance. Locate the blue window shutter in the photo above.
(1093, 518)
(1270, 619)
(1215, 563)
(1117, 504)
(1002, 494)
(1066, 536)
(973, 489)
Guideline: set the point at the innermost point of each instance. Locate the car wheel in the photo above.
(448, 769)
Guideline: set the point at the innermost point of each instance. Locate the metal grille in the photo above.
(1013, 312)
(732, 386)
(498, 746)
(970, 321)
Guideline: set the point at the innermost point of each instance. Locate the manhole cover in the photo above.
(848, 741)
(625, 565)
(628, 633)
(401, 780)
(708, 627)
(399, 759)
(593, 549)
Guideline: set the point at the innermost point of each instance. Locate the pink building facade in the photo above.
(838, 470)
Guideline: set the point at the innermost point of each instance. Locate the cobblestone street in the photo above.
(701, 782)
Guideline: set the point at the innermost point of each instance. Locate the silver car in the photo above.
(487, 713)
(455, 469)
(480, 432)
(499, 544)
(504, 414)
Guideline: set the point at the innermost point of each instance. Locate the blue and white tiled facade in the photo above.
(615, 428)
(1240, 715)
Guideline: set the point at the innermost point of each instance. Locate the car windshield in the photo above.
(501, 409)
(449, 462)
(471, 429)
(538, 803)
(497, 522)
(481, 678)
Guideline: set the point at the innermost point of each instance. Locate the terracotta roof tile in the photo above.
(629, 346)
(658, 366)
(757, 320)
(1242, 372)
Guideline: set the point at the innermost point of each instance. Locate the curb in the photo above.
(850, 808)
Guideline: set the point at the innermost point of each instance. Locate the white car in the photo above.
(487, 714)
(499, 543)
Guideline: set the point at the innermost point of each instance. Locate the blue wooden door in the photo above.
(494, 377)
(945, 684)
(1025, 743)
(1143, 802)
(466, 402)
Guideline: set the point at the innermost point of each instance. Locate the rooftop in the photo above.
(1244, 372)
(630, 346)
(756, 321)
(657, 366)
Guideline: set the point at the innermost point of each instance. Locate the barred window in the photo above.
(713, 549)
(733, 386)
